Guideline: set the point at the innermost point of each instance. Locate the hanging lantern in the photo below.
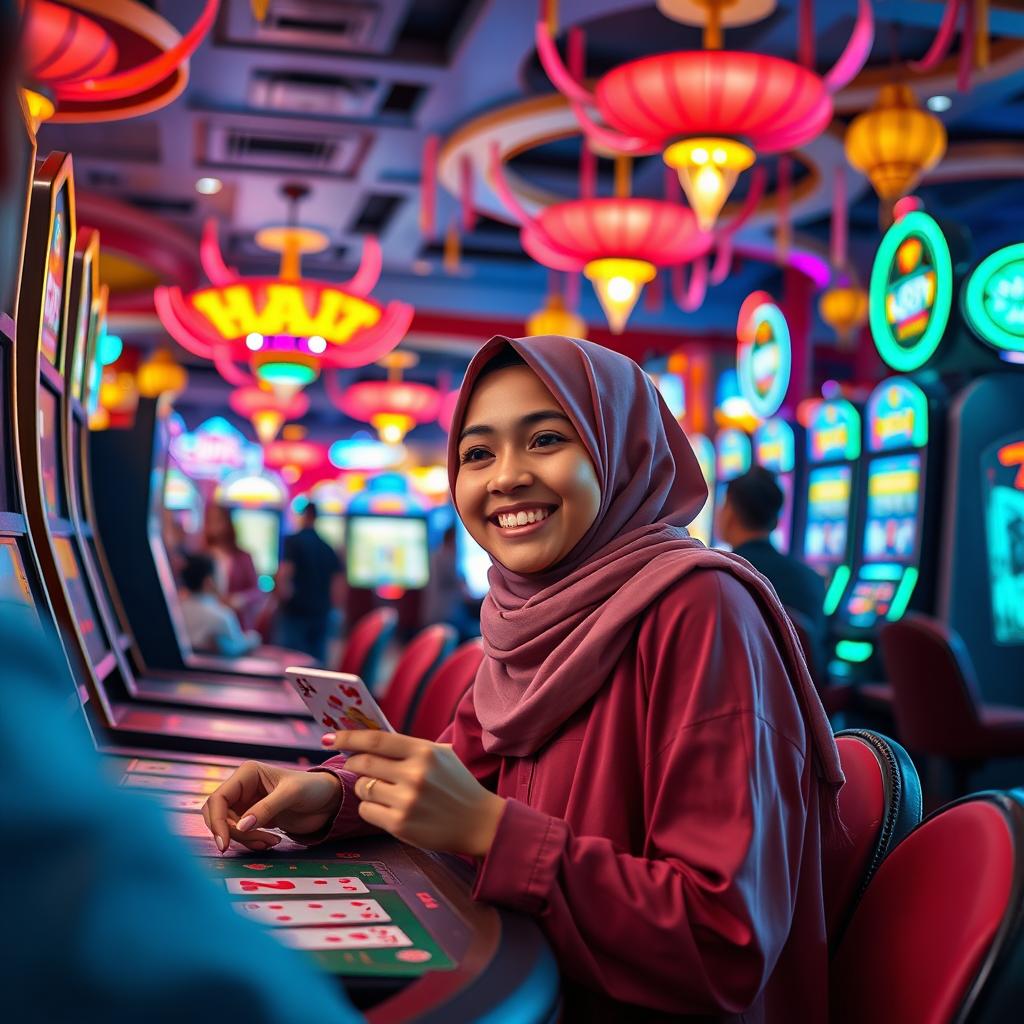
(161, 374)
(285, 328)
(617, 243)
(393, 406)
(709, 112)
(845, 309)
(85, 69)
(554, 318)
(895, 142)
(266, 410)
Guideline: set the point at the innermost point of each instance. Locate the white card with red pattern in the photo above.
(290, 913)
(381, 937)
(337, 700)
(335, 886)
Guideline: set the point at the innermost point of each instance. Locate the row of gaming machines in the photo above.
(173, 733)
(914, 500)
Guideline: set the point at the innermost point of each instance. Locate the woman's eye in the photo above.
(547, 439)
(474, 455)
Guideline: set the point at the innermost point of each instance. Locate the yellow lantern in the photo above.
(161, 373)
(845, 309)
(554, 318)
(895, 142)
(708, 169)
(618, 283)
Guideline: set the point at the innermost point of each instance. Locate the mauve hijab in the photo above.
(553, 639)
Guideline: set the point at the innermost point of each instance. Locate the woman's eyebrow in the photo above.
(528, 420)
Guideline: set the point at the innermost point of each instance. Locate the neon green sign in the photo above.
(911, 292)
(994, 299)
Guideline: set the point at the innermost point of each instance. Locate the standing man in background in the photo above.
(309, 574)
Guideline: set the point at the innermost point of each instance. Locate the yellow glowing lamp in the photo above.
(392, 427)
(266, 423)
(895, 142)
(100, 419)
(40, 107)
(554, 318)
(845, 309)
(708, 169)
(161, 373)
(618, 283)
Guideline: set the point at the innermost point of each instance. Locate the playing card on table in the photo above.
(295, 886)
(182, 801)
(337, 700)
(170, 784)
(298, 912)
(183, 770)
(380, 937)
(191, 825)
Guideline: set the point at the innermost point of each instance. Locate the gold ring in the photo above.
(369, 786)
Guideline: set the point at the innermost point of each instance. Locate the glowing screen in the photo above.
(259, 533)
(828, 514)
(89, 624)
(331, 530)
(13, 581)
(49, 427)
(387, 551)
(473, 562)
(894, 487)
(53, 296)
(1003, 472)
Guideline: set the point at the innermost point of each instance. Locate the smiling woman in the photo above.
(642, 763)
(526, 490)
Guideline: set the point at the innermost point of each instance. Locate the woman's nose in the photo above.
(508, 474)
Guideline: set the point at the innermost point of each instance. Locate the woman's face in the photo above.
(526, 488)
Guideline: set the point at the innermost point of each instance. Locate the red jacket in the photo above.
(667, 839)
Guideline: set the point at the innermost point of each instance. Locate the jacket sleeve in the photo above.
(695, 923)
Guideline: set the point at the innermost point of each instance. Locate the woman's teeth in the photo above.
(507, 520)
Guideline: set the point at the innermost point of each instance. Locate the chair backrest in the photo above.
(366, 642)
(421, 657)
(447, 686)
(939, 933)
(880, 805)
(935, 693)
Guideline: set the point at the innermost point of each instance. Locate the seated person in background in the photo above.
(233, 568)
(746, 519)
(212, 625)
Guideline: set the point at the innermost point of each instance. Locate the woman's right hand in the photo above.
(259, 796)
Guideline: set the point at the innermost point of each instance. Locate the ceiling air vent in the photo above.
(376, 214)
(310, 150)
(319, 95)
(338, 26)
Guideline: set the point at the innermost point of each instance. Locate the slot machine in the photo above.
(833, 461)
(703, 524)
(732, 459)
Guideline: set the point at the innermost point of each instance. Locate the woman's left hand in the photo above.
(419, 791)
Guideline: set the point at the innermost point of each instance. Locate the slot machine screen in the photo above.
(387, 551)
(828, 516)
(1004, 528)
(781, 533)
(473, 561)
(49, 441)
(331, 530)
(259, 533)
(53, 295)
(13, 581)
(83, 322)
(894, 489)
(96, 643)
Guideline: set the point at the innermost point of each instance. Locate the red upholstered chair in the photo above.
(834, 697)
(436, 708)
(420, 659)
(366, 642)
(938, 935)
(936, 699)
(880, 805)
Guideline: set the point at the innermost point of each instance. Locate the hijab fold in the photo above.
(553, 639)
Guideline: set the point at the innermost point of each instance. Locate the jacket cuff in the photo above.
(346, 819)
(522, 865)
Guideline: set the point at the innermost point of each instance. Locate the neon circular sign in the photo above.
(764, 356)
(993, 300)
(911, 292)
